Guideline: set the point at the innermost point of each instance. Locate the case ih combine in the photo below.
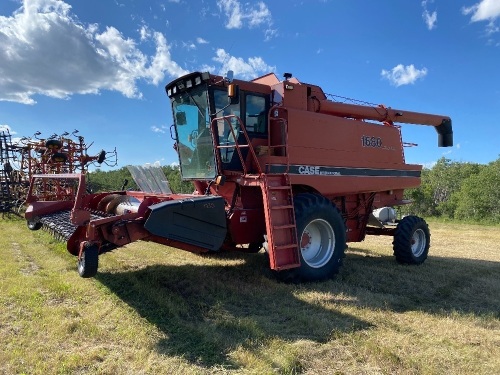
(274, 164)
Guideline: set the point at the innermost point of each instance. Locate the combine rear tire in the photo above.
(89, 261)
(33, 224)
(322, 239)
(411, 240)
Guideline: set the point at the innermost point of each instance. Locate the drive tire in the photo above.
(89, 261)
(412, 240)
(322, 239)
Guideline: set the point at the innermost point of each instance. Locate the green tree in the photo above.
(479, 196)
(114, 180)
(437, 195)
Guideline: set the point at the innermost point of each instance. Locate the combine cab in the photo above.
(275, 164)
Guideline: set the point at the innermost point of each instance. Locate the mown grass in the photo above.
(153, 309)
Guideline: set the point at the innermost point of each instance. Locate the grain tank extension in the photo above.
(275, 165)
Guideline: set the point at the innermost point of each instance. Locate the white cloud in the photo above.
(430, 19)
(189, 45)
(158, 129)
(239, 15)
(269, 34)
(6, 128)
(259, 16)
(403, 75)
(430, 164)
(252, 68)
(232, 9)
(201, 41)
(47, 51)
(145, 33)
(485, 10)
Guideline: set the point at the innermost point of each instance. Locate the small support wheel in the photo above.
(89, 260)
(101, 157)
(411, 240)
(53, 144)
(33, 224)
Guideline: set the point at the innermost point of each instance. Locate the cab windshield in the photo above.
(194, 141)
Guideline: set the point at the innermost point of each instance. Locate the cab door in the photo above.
(251, 111)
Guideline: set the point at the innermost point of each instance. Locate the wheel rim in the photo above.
(418, 242)
(317, 243)
(81, 264)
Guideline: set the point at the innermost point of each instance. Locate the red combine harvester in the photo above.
(275, 164)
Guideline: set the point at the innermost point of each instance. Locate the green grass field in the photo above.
(157, 310)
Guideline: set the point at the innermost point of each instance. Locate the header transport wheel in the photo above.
(411, 240)
(321, 238)
(33, 224)
(89, 260)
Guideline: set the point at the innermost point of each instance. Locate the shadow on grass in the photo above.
(207, 312)
(439, 286)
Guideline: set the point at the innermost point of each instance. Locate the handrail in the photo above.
(284, 146)
(237, 146)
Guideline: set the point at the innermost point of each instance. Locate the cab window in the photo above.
(256, 114)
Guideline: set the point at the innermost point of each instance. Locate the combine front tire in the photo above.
(322, 239)
(89, 261)
(411, 240)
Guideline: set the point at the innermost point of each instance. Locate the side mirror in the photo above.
(233, 93)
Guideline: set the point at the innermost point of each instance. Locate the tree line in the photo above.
(458, 190)
(121, 179)
(450, 189)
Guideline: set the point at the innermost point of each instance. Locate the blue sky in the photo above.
(100, 66)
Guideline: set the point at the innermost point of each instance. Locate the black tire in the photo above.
(412, 240)
(59, 157)
(89, 261)
(53, 144)
(33, 224)
(101, 157)
(254, 247)
(322, 239)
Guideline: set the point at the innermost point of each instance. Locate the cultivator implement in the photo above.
(57, 154)
(11, 183)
